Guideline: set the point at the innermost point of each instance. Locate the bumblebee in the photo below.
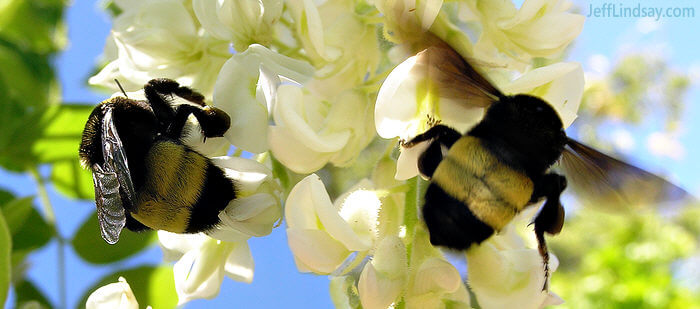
(145, 177)
(481, 179)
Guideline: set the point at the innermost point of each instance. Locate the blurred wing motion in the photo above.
(455, 78)
(111, 178)
(607, 183)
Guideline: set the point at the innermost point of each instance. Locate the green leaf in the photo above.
(26, 292)
(61, 137)
(5, 249)
(28, 89)
(5, 197)
(72, 180)
(58, 144)
(33, 234)
(152, 286)
(34, 24)
(90, 246)
(27, 227)
(16, 212)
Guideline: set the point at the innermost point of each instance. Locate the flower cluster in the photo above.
(308, 86)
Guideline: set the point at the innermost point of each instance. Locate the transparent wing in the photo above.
(111, 178)
(110, 211)
(115, 156)
(607, 183)
(455, 78)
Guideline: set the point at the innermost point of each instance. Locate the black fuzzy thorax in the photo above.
(523, 132)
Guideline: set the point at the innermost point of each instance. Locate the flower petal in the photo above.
(316, 249)
(113, 295)
(239, 264)
(235, 93)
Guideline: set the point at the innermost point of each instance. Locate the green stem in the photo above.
(51, 218)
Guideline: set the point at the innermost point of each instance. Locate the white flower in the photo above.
(383, 278)
(114, 295)
(203, 262)
(504, 273)
(540, 28)
(243, 22)
(246, 90)
(410, 94)
(310, 132)
(150, 45)
(322, 234)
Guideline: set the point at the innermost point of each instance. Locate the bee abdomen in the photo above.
(493, 192)
(450, 222)
(217, 193)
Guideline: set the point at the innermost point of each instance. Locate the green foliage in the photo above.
(26, 292)
(5, 265)
(34, 24)
(58, 144)
(28, 229)
(90, 246)
(152, 286)
(621, 262)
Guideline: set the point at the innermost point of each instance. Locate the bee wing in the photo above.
(455, 78)
(115, 156)
(608, 183)
(110, 179)
(110, 211)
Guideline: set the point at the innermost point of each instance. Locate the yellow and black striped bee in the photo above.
(481, 179)
(144, 176)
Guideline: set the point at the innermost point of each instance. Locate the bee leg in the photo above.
(444, 134)
(441, 139)
(214, 122)
(550, 219)
(154, 90)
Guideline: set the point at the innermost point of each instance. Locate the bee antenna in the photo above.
(120, 87)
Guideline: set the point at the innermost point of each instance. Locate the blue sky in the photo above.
(277, 282)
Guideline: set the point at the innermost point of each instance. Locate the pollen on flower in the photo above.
(362, 205)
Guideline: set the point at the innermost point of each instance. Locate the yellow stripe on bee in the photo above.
(494, 192)
(174, 179)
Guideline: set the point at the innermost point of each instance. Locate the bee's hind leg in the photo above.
(550, 219)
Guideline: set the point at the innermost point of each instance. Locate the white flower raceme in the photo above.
(310, 132)
(504, 273)
(114, 295)
(150, 45)
(540, 28)
(203, 261)
(242, 22)
(409, 96)
(322, 234)
(246, 90)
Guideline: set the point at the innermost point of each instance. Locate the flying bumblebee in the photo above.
(144, 176)
(481, 179)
